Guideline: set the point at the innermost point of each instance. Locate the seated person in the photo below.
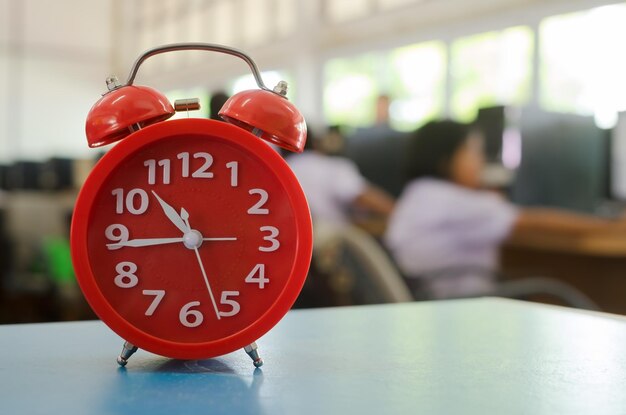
(445, 232)
(333, 184)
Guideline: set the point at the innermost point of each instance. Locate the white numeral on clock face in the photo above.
(235, 307)
(131, 201)
(184, 157)
(158, 296)
(257, 208)
(190, 318)
(234, 173)
(202, 172)
(117, 233)
(271, 238)
(257, 276)
(151, 165)
(126, 277)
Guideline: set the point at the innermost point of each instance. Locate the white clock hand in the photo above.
(206, 281)
(184, 215)
(144, 242)
(159, 241)
(171, 214)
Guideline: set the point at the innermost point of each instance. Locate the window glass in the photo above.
(583, 67)
(490, 69)
(350, 90)
(270, 79)
(416, 84)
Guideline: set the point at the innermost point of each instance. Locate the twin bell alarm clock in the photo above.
(191, 238)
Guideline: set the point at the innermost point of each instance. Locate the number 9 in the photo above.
(116, 233)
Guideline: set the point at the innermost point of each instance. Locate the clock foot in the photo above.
(127, 352)
(251, 349)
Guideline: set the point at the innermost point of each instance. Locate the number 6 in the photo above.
(185, 312)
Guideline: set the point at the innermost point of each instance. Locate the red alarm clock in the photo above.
(192, 238)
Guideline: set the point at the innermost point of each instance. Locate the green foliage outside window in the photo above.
(490, 69)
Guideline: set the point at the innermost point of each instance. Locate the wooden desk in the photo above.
(482, 356)
(606, 245)
(595, 264)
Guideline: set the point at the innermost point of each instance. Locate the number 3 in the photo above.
(271, 238)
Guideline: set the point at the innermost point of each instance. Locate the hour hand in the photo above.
(171, 214)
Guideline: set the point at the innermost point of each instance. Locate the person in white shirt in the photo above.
(333, 185)
(445, 232)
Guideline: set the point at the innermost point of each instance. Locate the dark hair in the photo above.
(431, 148)
(216, 103)
(310, 138)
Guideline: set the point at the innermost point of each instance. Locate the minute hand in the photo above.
(144, 242)
(135, 243)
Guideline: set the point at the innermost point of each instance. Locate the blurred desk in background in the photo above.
(479, 356)
(607, 245)
(595, 264)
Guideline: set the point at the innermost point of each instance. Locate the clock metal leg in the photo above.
(251, 349)
(127, 352)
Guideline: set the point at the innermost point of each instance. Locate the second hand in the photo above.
(185, 217)
(208, 286)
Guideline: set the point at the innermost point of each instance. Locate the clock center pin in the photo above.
(192, 239)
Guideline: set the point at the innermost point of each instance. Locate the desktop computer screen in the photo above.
(492, 122)
(618, 159)
(564, 162)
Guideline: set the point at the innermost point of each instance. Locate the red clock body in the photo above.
(191, 238)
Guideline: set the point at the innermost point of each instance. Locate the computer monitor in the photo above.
(564, 162)
(380, 156)
(618, 159)
(57, 174)
(24, 175)
(4, 177)
(492, 123)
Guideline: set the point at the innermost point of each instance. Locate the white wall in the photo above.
(54, 57)
(5, 92)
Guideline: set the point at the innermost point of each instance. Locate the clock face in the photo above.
(191, 238)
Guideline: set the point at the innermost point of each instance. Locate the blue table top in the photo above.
(482, 356)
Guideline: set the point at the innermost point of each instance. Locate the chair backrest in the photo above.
(349, 250)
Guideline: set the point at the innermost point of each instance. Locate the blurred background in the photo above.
(544, 81)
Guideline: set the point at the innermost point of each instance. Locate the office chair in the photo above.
(356, 268)
(351, 268)
(523, 288)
